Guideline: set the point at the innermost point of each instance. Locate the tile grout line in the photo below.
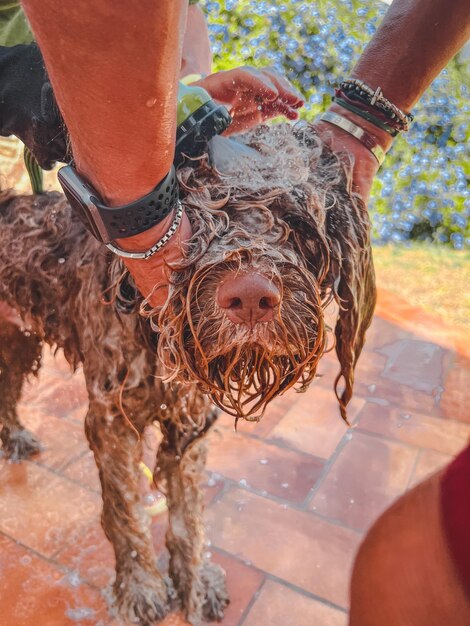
(74, 459)
(326, 469)
(405, 444)
(281, 581)
(58, 472)
(253, 600)
(48, 559)
(276, 443)
(231, 485)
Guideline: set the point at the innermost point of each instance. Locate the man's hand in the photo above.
(253, 96)
(27, 105)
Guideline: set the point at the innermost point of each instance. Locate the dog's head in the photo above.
(275, 240)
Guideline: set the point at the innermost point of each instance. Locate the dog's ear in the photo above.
(356, 295)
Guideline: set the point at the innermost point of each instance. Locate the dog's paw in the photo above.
(142, 598)
(216, 597)
(19, 444)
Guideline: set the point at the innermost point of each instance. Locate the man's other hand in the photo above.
(253, 96)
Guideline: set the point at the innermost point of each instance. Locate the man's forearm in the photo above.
(415, 41)
(114, 69)
(197, 53)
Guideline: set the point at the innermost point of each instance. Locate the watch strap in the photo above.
(146, 254)
(136, 217)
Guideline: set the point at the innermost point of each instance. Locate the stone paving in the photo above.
(288, 499)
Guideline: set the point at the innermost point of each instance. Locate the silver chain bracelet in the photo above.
(156, 247)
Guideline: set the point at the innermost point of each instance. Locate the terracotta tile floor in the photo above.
(288, 500)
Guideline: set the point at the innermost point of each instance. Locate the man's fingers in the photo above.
(256, 82)
(286, 90)
(279, 107)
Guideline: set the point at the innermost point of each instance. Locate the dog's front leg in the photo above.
(141, 593)
(200, 584)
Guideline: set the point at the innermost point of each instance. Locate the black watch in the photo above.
(109, 223)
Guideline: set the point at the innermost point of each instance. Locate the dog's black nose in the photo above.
(248, 298)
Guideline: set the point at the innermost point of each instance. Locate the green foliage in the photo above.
(422, 191)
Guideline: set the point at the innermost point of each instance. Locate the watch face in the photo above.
(83, 198)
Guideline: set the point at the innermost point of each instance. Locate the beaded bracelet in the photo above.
(374, 100)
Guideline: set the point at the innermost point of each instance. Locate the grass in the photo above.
(437, 279)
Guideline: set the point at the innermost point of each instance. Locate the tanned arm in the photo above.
(197, 53)
(414, 42)
(114, 67)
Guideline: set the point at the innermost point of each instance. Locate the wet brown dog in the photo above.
(275, 240)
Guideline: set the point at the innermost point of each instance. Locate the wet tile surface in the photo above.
(433, 433)
(268, 468)
(41, 509)
(298, 483)
(278, 605)
(250, 526)
(366, 477)
(33, 591)
(313, 424)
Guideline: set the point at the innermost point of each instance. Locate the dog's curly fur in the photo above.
(291, 216)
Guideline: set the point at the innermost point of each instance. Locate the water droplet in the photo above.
(163, 407)
(263, 461)
(61, 260)
(242, 482)
(151, 102)
(285, 485)
(80, 614)
(133, 554)
(372, 388)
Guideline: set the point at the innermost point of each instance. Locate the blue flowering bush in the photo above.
(422, 191)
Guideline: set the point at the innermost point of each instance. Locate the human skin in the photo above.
(114, 67)
(197, 53)
(115, 75)
(253, 96)
(415, 41)
(403, 574)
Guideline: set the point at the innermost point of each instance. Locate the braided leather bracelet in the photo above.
(343, 101)
(375, 101)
